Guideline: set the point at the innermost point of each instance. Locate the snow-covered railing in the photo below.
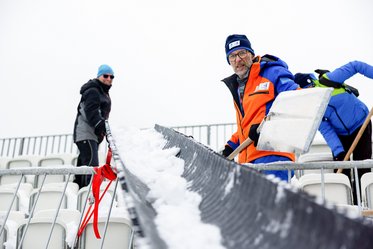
(322, 166)
(84, 170)
(255, 211)
(312, 165)
(128, 197)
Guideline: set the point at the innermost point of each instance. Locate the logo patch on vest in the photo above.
(262, 86)
(234, 44)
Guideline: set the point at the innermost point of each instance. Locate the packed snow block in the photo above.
(253, 211)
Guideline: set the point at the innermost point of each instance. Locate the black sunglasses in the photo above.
(106, 76)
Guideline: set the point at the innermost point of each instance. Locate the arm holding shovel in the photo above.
(346, 114)
(253, 138)
(357, 138)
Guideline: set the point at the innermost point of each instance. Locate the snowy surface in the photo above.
(161, 170)
(142, 153)
(293, 120)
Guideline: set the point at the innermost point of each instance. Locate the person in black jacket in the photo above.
(89, 129)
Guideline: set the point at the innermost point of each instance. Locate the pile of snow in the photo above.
(178, 216)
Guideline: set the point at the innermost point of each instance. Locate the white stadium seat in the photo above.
(4, 161)
(12, 164)
(337, 187)
(52, 178)
(118, 236)
(70, 217)
(37, 234)
(51, 194)
(21, 199)
(56, 159)
(51, 160)
(367, 189)
(9, 235)
(83, 192)
(315, 157)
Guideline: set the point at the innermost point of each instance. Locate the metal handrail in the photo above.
(312, 165)
(47, 171)
(117, 159)
(62, 170)
(212, 135)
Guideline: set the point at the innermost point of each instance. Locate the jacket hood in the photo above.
(94, 83)
(271, 60)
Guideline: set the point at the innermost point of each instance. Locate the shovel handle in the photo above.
(368, 212)
(242, 146)
(357, 138)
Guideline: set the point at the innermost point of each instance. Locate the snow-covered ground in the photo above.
(178, 216)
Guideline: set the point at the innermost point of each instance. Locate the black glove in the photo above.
(253, 134)
(352, 90)
(340, 156)
(227, 151)
(100, 129)
(321, 72)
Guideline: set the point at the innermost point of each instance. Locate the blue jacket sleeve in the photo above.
(277, 71)
(331, 137)
(350, 69)
(286, 84)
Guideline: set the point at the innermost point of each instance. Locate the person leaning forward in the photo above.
(89, 128)
(345, 113)
(256, 82)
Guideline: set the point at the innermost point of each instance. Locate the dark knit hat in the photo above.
(235, 42)
(304, 80)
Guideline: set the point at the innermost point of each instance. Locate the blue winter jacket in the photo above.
(345, 112)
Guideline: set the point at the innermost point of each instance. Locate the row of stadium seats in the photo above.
(26, 161)
(337, 187)
(49, 196)
(29, 207)
(38, 232)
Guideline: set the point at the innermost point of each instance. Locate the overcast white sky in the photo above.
(168, 55)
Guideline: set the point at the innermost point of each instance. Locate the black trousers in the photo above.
(88, 156)
(362, 151)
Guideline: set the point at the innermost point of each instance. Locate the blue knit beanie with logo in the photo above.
(104, 69)
(235, 42)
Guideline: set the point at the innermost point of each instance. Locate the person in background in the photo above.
(345, 113)
(256, 82)
(89, 128)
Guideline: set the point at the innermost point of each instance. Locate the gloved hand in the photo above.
(100, 129)
(253, 134)
(340, 156)
(320, 72)
(227, 151)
